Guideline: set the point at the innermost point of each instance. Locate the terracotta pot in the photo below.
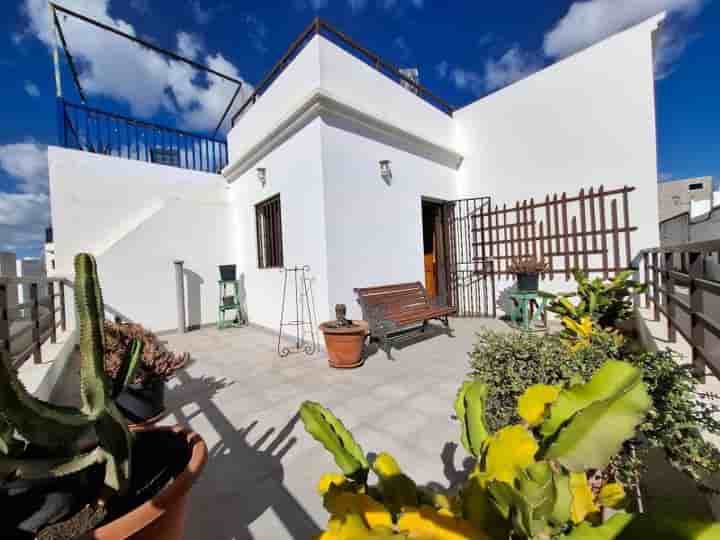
(162, 517)
(345, 345)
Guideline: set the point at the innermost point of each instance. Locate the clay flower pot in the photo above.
(344, 344)
(163, 516)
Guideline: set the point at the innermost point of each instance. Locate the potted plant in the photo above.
(139, 389)
(344, 339)
(527, 271)
(70, 472)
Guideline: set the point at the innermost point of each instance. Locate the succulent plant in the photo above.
(66, 440)
(156, 362)
(527, 265)
(530, 479)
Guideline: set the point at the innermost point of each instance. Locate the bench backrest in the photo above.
(396, 299)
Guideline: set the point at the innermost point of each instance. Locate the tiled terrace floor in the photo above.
(242, 398)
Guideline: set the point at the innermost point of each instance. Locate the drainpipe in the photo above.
(180, 294)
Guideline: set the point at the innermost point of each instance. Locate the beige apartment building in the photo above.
(674, 197)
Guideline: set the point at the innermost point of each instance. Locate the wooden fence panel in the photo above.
(583, 231)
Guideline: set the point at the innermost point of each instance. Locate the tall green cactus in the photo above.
(62, 432)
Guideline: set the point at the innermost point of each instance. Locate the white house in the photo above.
(319, 133)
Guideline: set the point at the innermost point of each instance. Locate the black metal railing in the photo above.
(684, 285)
(93, 130)
(24, 327)
(320, 27)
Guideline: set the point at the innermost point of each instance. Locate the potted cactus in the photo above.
(530, 480)
(527, 271)
(139, 387)
(69, 472)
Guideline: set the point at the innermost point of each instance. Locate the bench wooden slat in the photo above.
(402, 305)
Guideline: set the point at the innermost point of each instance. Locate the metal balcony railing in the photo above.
(93, 130)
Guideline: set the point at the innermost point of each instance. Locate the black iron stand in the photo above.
(304, 307)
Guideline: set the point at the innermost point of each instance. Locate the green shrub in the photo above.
(679, 415)
(509, 363)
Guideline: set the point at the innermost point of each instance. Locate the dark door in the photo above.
(470, 282)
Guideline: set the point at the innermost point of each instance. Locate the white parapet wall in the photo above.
(137, 218)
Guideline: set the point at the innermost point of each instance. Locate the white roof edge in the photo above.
(320, 102)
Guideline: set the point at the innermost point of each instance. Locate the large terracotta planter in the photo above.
(163, 516)
(345, 345)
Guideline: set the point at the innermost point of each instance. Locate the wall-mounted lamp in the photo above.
(385, 171)
(262, 176)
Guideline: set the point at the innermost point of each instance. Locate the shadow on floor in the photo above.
(242, 480)
(408, 338)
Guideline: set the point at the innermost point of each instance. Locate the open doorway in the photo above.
(433, 248)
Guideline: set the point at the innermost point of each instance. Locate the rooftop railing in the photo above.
(684, 285)
(320, 27)
(100, 132)
(26, 326)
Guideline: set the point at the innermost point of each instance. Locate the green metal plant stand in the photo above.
(528, 308)
(229, 302)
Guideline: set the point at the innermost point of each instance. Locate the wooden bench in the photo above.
(393, 308)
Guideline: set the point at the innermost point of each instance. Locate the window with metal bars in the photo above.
(268, 224)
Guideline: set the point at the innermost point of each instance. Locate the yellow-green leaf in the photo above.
(582, 498)
(470, 410)
(329, 479)
(611, 495)
(534, 402)
(509, 451)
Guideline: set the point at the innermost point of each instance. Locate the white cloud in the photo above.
(200, 14)
(467, 80)
(442, 69)
(586, 23)
(141, 6)
(357, 5)
(189, 45)
(25, 213)
(257, 33)
(26, 162)
(512, 66)
(32, 89)
(392, 4)
(116, 68)
(401, 44)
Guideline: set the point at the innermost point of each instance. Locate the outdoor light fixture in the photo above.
(385, 171)
(261, 176)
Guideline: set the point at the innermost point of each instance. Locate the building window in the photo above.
(268, 223)
(695, 187)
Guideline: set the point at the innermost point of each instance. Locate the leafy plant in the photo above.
(588, 333)
(509, 363)
(39, 440)
(530, 479)
(157, 361)
(527, 265)
(606, 303)
(678, 416)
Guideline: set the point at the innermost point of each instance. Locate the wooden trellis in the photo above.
(584, 231)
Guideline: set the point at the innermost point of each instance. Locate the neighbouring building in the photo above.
(337, 166)
(693, 195)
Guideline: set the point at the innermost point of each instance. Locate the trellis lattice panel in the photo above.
(590, 231)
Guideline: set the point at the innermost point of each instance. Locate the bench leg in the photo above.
(424, 326)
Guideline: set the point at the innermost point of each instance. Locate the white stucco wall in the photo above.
(294, 170)
(297, 81)
(137, 218)
(582, 122)
(374, 230)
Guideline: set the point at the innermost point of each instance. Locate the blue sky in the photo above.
(463, 52)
